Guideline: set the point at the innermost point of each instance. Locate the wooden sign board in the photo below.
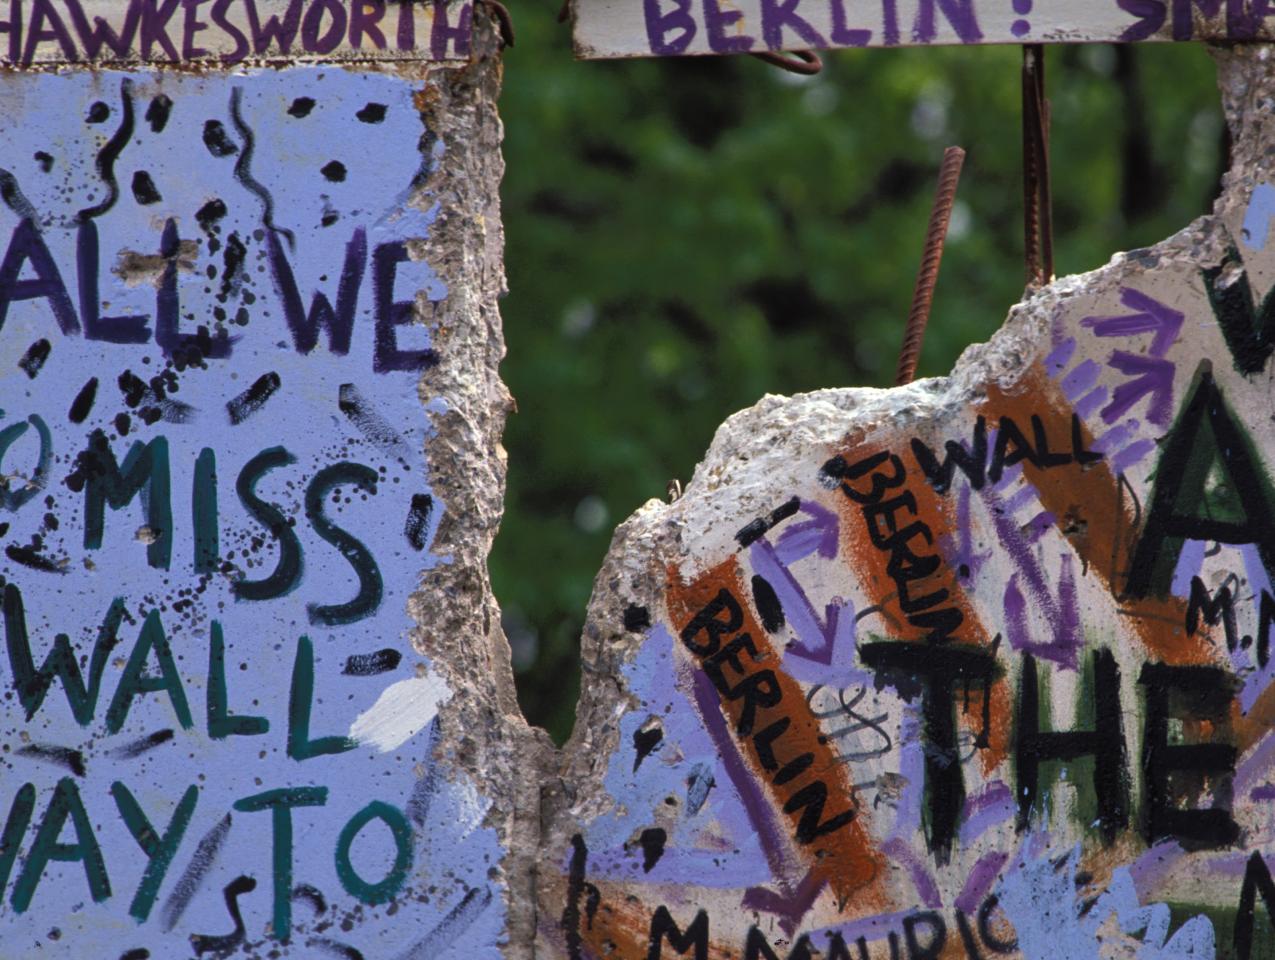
(663, 28)
(231, 31)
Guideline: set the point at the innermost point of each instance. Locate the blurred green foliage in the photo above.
(686, 235)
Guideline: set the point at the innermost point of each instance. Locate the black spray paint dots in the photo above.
(416, 529)
(372, 113)
(370, 664)
(652, 841)
(99, 112)
(83, 402)
(646, 739)
(636, 619)
(157, 113)
(44, 160)
(301, 107)
(65, 757)
(768, 605)
(30, 557)
(144, 190)
(217, 140)
(34, 358)
(142, 745)
(210, 213)
(243, 406)
(754, 531)
(334, 171)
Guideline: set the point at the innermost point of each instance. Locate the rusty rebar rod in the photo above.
(804, 62)
(1038, 228)
(928, 275)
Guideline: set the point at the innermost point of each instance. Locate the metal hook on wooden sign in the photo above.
(805, 62)
(928, 275)
(1038, 227)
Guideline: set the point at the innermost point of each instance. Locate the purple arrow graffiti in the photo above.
(1150, 315)
(826, 642)
(1151, 376)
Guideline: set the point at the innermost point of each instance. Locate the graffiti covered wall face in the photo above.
(980, 667)
(228, 353)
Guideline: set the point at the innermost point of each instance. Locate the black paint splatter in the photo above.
(755, 530)
(301, 107)
(35, 356)
(369, 422)
(370, 664)
(141, 953)
(636, 619)
(99, 112)
(207, 943)
(652, 840)
(110, 152)
(203, 859)
(210, 213)
(768, 605)
(137, 747)
(157, 113)
(372, 113)
(217, 140)
(644, 741)
(72, 760)
(417, 527)
(243, 168)
(251, 400)
(30, 557)
(44, 160)
(334, 171)
(123, 423)
(144, 190)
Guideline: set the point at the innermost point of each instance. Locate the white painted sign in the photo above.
(641, 28)
(231, 31)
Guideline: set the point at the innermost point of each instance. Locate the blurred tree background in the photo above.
(686, 235)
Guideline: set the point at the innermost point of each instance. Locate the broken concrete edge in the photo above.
(484, 736)
(722, 486)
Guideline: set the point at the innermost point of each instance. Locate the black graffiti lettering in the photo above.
(1105, 743)
(937, 933)
(1257, 879)
(1219, 608)
(1184, 505)
(937, 670)
(759, 690)
(708, 621)
(144, 474)
(1249, 331)
(838, 469)
(338, 322)
(972, 463)
(756, 689)
(664, 927)
(356, 554)
(287, 572)
(32, 685)
(1175, 771)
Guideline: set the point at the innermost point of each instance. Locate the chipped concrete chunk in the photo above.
(978, 667)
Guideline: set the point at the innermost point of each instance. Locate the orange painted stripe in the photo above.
(1096, 520)
(845, 858)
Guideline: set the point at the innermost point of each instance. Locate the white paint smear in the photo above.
(400, 712)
